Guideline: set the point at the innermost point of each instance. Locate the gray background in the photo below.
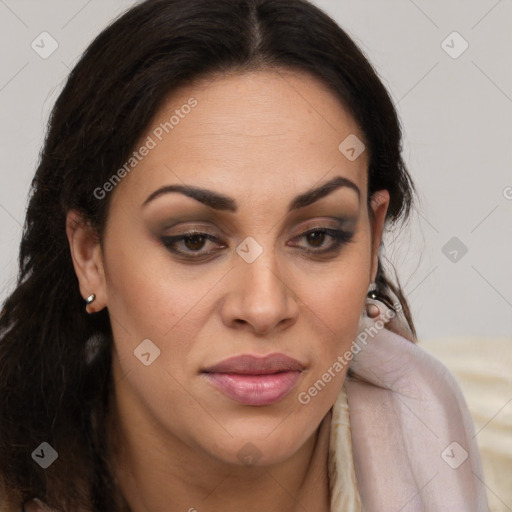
(456, 116)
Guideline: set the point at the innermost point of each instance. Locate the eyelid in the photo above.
(189, 229)
(344, 223)
(340, 223)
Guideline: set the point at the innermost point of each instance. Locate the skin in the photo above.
(261, 138)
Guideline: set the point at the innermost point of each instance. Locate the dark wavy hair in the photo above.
(51, 388)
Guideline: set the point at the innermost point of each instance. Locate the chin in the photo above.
(251, 449)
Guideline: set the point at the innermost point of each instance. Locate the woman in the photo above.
(199, 269)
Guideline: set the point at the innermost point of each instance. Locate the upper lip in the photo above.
(256, 365)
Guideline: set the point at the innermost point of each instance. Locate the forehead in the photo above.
(246, 133)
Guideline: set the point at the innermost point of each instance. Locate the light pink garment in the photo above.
(413, 440)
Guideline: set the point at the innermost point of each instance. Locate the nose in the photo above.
(259, 298)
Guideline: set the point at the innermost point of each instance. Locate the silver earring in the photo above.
(371, 291)
(90, 299)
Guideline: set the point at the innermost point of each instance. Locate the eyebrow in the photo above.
(219, 201)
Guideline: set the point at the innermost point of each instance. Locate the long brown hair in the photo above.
(55, 360)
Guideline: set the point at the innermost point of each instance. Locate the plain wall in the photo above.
(456, 117)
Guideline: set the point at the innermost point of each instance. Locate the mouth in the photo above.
(253, 380)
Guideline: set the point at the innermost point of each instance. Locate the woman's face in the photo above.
(264, 247)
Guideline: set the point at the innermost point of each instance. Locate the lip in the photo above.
(254, 380)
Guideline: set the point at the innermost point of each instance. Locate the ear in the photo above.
(87, 260)
(379, 203)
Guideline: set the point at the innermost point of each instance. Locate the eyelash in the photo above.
(339, 237)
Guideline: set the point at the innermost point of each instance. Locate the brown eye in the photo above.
(193, 245)
(316, 238)
(323, 240)
(194, 242)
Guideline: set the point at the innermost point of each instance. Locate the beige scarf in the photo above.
(402, 437)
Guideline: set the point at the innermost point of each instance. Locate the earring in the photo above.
(371, 291)
(372, 310)
(89, 300)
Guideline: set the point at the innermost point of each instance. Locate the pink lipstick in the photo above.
(254, 380)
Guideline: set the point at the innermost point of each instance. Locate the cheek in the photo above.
(335, 301)
(148, 293)
(337, 310)
(150, 298)
(337, 294)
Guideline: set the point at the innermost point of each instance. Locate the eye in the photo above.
(323, 240)
(191, 244)
(199, 246)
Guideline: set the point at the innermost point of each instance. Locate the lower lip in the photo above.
(254, 389)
